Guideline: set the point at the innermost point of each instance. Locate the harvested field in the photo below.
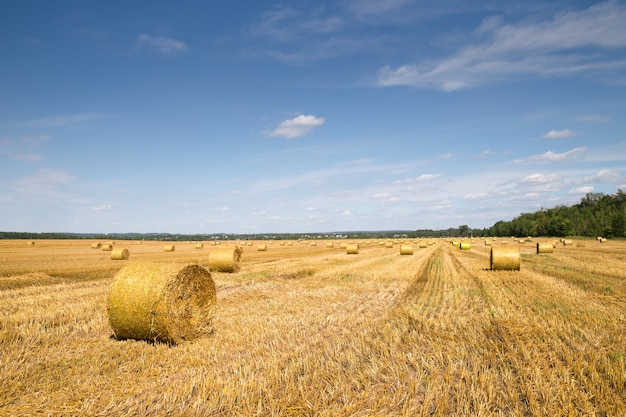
(310, 330)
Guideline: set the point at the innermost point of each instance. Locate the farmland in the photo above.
(308, 330)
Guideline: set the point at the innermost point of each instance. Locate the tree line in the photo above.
(597, 214)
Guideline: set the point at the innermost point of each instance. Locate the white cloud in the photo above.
(539, 178)
(571, 43)
(560, 134)
(161, 45)
(581, 190)
(604, 176)
(550, 156)
(476, 196)
(419, 179)
(298, 126)
(594, 118)
(103, 207)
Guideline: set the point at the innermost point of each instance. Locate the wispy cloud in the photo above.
(419, 179)
(298, 126)
(594, 118)
(550, 156)
(560, 134)
(571, 43)
(65, 119)
(161, 45)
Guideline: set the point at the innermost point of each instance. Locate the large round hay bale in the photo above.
(199, 245)
(352, 249)
(120, 254)
(406, 249)
(225, 259)
(261, 248)
(169, 248)
(107, 247)
(488, 242)
(168, 303)
(568, 242)
(96, 245)
(389, 245)
(423, 245)
(464, 246)
(505, 258)
(329, 244)
(545, 247)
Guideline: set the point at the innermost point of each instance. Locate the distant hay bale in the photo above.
(488, 242)
(199, 245)
(31, 243)
(545, 247)
(603, 239)
(120, 254)
(96, 245)
(567, 242)
(406, 249)
(464, 246)
(107, 247)
(343, 245)
(329, 244)
(505, 258)
(313, 243)
(289, 243)
(261, 248)
(352, 249)
(389, 245)
(455, 243)
(225, 259)
(160, 302)
(169, 248)
(423, 245)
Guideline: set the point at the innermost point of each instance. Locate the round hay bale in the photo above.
(31, 243)
(352, 249)
(545, 247)
(96, 245)
(107, 247)
(389, 245)
(169, 248)
(488, 242)
(261, 248)
(568, 242)
(505, 258)
(343, 245)
(225, 259)
(464, 246)
(313, 243)
(167, 303)
(120, 254)
(199, 245)
(329, 244)
(423, 245)
(406, 249)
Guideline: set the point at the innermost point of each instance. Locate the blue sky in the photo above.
(306, 116)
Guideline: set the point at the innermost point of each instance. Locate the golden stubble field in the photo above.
(311, 331)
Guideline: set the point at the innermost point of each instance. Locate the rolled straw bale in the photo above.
(406, 249)
(343, 245)
(313, 243)
(329, 244)
(107, 247)
(455, 243)
(488, 242)
(568, 242)
(545, 247)
(120, 254)
(603, 239)
(352, 249)
(168, 303)
(225, 259)
(505, 258)
(389, 245)
(169, 248)
(199, 245)
(423, 245)
(261, 248)
(289, 243)
(96, 245)
(464, 246)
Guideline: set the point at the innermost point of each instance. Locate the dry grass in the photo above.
(303, 330)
